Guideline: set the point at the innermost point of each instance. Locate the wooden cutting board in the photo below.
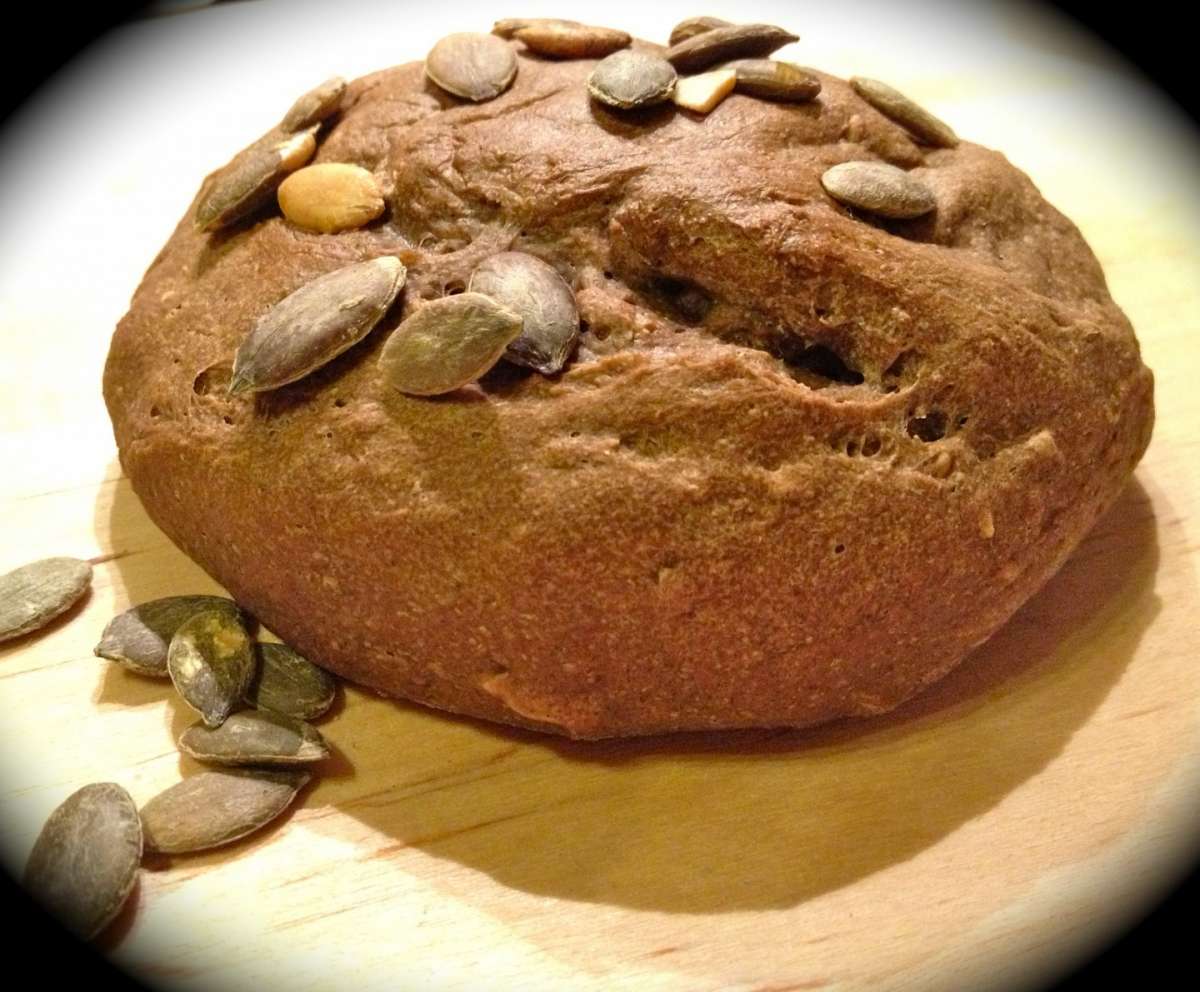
(995, 829)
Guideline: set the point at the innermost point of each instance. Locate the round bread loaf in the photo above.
(801, 462)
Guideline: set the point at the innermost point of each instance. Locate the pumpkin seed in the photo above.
(330, 197)
(629, 79)
(909, 114)
(217, 807)
(289, 683)
(702, 93)
(448, 343)
(255, 738)
(879, 188)
(474, 66)
(211, 664)
(316, 323)
(529, 287)
(508, 26)
(693, 26)
(773, 80)
(566, 40)
(85, 861)
(735, 41)
(317, 105)
(34, 594)
(250, 180)
(138, 638)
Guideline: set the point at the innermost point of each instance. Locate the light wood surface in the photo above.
(993, 831)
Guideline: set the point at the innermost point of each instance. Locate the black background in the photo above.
(1149, 34)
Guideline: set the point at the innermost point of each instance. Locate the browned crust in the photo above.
(680, 532)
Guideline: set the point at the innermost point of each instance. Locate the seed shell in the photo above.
(250, 180)
(471, 65)
(533, 289)
(217, 807)
(629, 79)
(211, 664)
(255, 738)
(85, 861)
(290, 684)
(909, 114)
(693, 26)
(564, 40)
(879, 188)
(330, 197)
(448, 343)
(315, 106)
(316, 323)
(34, 594)
(770, 79)
(138, 638)
(736, 41)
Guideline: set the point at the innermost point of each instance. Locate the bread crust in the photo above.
(802, 462)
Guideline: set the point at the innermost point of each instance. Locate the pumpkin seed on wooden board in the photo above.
(290, 684)
(317, 105)
(211, 664)
(909, 114)
(736, 41)
(474, 66)
(252, 737)
(85, 861)
(138, 638)
(692, 26)
(629, 79)
(448, 343)
(217, 807)
(702, 93)
(770, 79)
(566, 40)
(316, 323)
(250, 180)
(330, 197)
(34, 594)
(533, 289)
(879, 188)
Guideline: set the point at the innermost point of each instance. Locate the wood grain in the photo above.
(997, 827)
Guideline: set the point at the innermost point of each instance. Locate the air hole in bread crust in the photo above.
(928, 428)
(815, 365)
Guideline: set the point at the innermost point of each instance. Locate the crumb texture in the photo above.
(801, 462)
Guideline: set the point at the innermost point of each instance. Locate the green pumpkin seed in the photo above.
(529, 287)
(909, 114)
(138, 638)
(85, 861)
(315, 106)
(217, 807)
(567, 40)
(211, 663)
(448, 343)
(769, 79)
(316, 323)
(473, 66)
(255, 738)
(34, 594)
(289, 683)
(251, 179)
(735, 41)
(628, 79)
(879, 188)
(693, 26)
